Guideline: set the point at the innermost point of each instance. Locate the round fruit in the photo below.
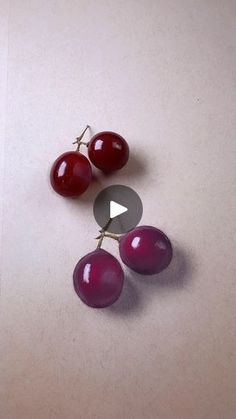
(146, 250)
(108, 151)
(98, 279)
(71, 174)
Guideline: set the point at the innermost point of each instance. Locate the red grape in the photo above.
(71, 174)
(146, 250)
(98, 279)
(108, 151)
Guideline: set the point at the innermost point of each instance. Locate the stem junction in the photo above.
(79, 141)
(105, 233)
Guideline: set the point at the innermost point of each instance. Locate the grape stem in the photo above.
(105, 233)
(79, 141)
(110, 235)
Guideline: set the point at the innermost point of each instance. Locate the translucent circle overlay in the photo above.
(122, 195)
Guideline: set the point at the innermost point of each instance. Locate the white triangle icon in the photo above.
(116, 209)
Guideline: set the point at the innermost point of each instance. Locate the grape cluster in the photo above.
(98, 277)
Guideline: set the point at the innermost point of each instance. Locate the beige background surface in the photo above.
(161, 73)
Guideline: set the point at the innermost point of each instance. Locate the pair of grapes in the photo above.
(98, 276)
(71, 173)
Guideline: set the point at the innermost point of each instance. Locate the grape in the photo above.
(146, 250)
(108, 151)
(71, 174)
(98, 279)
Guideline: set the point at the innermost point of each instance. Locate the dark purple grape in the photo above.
(146, 250)
(108, 151)
(98, 279)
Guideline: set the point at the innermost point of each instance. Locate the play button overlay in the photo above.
(121, 205)
(116, 209)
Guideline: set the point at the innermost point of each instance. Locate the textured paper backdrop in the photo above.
(162, 74)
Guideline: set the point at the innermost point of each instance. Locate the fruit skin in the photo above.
(71, 174)
(98, 279)
(108, 151)
(146, 250)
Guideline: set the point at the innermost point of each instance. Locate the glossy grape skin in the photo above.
(71, 174)
(108, 151)
(146, 250)
(98, 279)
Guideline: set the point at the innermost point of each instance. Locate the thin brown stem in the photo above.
(109, 235)
(79, 141)
(100, 241)
(106, 225)
(103, 232)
